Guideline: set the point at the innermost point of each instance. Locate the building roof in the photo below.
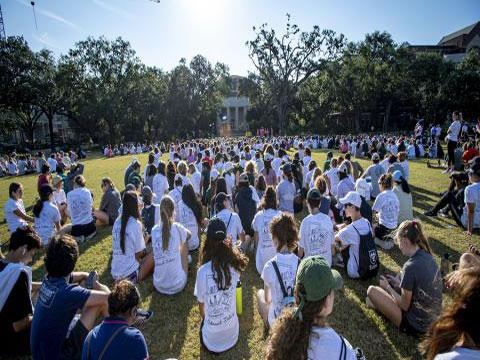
(464, 31)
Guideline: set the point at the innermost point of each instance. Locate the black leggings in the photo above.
(451, 146)
(449, 197)
(456, 209)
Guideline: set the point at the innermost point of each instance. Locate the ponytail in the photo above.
(37, 208)
(413, 231)
(167, 207)
(405, 186)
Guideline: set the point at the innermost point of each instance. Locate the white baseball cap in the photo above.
(353, 198)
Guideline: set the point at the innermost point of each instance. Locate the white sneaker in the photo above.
(385, 245)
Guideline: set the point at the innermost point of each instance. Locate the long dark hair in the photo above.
(290, 336)
(171, 172)
(129, 209)
(190, 199)
(404, 184)
(458, 320)
(222, 255)
(161, 168)
(45, 192)
(151, 170)
(221, 186)
(269, 199)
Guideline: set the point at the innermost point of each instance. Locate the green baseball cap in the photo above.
(318, 280)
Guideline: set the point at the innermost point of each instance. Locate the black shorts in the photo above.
(408, 328)
(84, 229)
(73, 345)
(383, 233)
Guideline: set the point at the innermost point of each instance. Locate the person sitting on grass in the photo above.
(115, 337)
(348, 237)
(279, 272)
(316, 230)
(455, 335)
(469, 259)
(45, 177)
(268, 209)
(134, 178)
(17, 291)
(374, 171)
(150, 211)
(302, 332)
(404, 195)
(453, 197)
(130, 259)
(170, 251)
(230, 219)
(60, 298)
(47, 216)
(469, 219)
(80, 208)
(14, 210)
(60, 198)
(190, 214)
(387, 207)
(411, 300)
(109, 204)
(364, 189)
(218, 274)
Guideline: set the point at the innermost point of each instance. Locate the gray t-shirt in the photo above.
(110, 203)
(421, 276)
(459, 353)
(374, 171)
(286, 192)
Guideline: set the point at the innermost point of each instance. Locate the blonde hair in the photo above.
(182, 168)
(413, 231)
(167, 207)
(250, 167)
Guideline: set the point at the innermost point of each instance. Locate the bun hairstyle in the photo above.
(413, 231)
(386, 181)
(80, 180)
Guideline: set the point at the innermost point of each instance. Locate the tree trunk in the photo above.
(387, 115)
(282, 117)
(50, 130)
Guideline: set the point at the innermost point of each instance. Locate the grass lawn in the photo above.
(173, 330)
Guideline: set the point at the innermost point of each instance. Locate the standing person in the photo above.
(109, 205)
(279, 272)
(454, 335)
(160, 183)
(217, 277)
(286, 190)
(16, 290)
(374, 171)
(190, 215)
(387, 207)
(303, 332)
(411, 300)
(268, 210)
(404, 195)
(316, 230)
(80, 208)
(14, 210)
(47, 216)
(453, 134)
(60, 298)
(170, 251)
(116, 337)
(130, 259)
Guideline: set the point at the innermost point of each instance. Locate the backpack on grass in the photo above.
(368, 262)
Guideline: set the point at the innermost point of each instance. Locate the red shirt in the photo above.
(42, 179)
(470, 154)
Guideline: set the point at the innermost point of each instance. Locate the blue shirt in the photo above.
(56, 306)
(129, 343)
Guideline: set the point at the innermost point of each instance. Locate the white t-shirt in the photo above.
(13, 221)
(176, 195)
(195, 179)
(265, 249)
(234, 228)
(160, 187)
(79, 203)
(316, 236)
(53, 164)
(454, 129)
(59, 197)
(220, 328)
(325, 343)
(287, 265)
(187, 218)
(230, 182)
(125, 263)
(388, 207)
(349, 236)
(45, 223)
(332, 175)
(472, 196)
(169, 277)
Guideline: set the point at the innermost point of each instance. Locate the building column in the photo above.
(236, 117)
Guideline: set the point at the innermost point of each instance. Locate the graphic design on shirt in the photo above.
(47, 294)
(219, 303)
(318, 240)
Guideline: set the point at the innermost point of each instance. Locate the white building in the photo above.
(232, 119)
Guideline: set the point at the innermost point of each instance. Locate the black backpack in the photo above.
(368, 262)
(247, 208)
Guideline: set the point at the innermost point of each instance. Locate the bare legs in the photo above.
(385, 304)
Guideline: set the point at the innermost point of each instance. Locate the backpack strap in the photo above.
(279, 277)
(228, 223)
(343, 350)
(107, 344)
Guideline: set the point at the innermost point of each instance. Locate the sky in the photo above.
(163, 33)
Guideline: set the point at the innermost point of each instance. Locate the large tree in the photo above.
(287, 61)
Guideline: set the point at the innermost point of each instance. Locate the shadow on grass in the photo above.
(419, 190)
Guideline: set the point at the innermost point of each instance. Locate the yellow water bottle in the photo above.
(238, 296)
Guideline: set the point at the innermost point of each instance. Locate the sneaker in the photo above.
(429, 213)
(385, 245)
(90, 236)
